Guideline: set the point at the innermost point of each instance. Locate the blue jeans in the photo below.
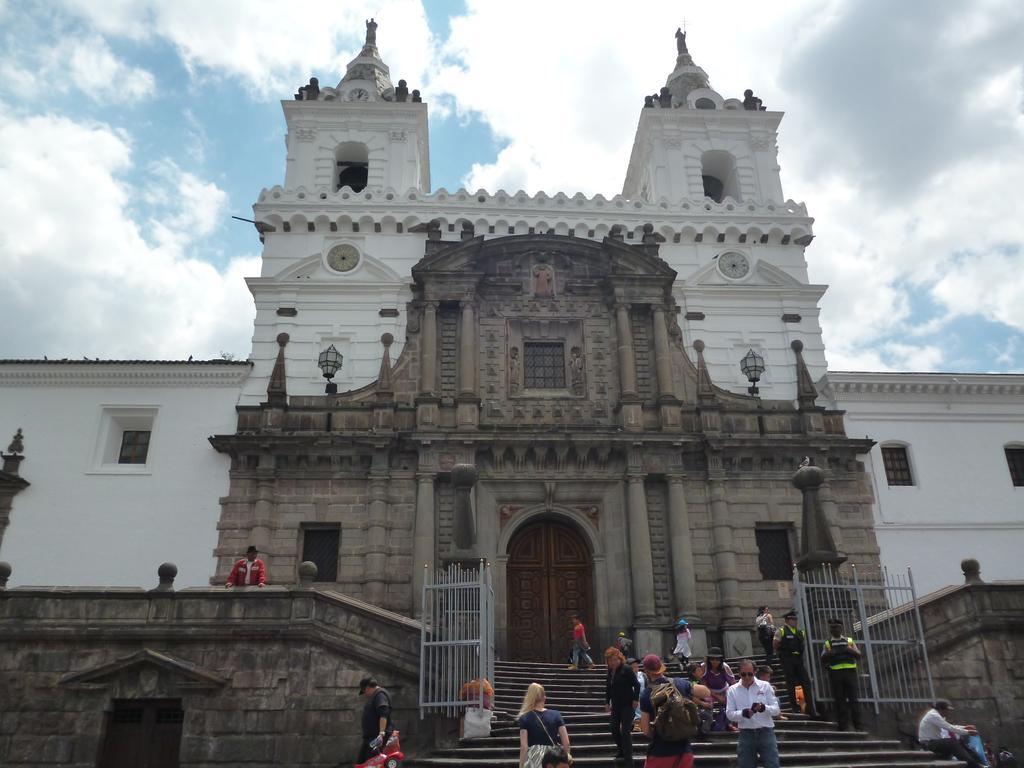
(755, 741)
(579, 656)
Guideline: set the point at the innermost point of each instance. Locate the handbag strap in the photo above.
(544, 728)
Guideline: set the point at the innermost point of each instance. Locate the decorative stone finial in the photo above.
(385, 384)
(387, 340)
(166, 573)
(817, 547)
(972, 571)
(307, 573)
(277, 388)
(5, 574)
(17, 443)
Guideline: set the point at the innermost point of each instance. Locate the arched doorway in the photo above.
(550, 577)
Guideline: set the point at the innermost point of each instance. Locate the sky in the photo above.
(132, 130)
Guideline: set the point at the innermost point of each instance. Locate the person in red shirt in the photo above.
(580, 658)
(249, 571)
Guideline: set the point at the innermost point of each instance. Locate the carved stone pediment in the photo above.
(145, 674)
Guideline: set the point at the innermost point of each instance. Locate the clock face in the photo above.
(734, 265)
(343, 257)
(358, 94)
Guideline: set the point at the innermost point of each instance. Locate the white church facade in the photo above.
(581, 354)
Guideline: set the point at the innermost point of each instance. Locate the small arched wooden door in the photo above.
(550, 578)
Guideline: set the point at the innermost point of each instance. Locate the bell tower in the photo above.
(365, 132)
(692, 143)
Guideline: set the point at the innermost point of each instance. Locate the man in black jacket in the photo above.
(376, 724)
(622, 697)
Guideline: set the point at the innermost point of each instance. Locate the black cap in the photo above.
(943, 704)
(367, 682)
(791, 615)
(632, 660)
(251, 549)
(715, 653)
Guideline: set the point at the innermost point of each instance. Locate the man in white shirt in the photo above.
(751, 704)
(932, 733)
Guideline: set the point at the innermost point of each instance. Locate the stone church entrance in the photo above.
(550, 578)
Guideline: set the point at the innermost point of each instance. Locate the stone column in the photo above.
(641, 565)
(423, 547)
(428, 349)
(263, 513)
(724, 552)
(663, 355)
(377, 542)
(467, 351)
(627, 359)
(684, 576)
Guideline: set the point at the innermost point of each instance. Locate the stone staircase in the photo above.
(579, 695)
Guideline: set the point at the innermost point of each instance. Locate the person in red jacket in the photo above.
(249, 571)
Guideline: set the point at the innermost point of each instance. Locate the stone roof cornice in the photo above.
(840, 385)
(685, 220)
(122, 373)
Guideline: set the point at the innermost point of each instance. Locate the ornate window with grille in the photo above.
(134, 446)
(774, 554)
(320, 546)
(1015, 461)
(544, 365)
(897, 465)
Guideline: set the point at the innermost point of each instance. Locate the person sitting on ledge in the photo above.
(249, 571)
(940, 736)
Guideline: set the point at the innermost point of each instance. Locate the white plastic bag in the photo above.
(477, 723)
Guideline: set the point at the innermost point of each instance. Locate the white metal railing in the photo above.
(882, 616)
(457, 640)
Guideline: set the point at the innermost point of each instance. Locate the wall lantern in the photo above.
(752, 366)
(330, 363)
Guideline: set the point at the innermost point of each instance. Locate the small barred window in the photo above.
(774, 557)
(544, 365)
(897, 465)
(134, 446)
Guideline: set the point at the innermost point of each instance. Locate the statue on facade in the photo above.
(371, 32)
(576, 370)
(513, 369)
(751, 102)
(309, 92)
(681, 41)
(543, 281)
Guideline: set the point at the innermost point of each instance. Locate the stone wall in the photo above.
(975, 637)
(264, 677)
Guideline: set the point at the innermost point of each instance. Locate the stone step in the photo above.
(599, 732)
(865, 759)
(485, 747)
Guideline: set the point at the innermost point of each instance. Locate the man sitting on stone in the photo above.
(248, 571)
(942, 737)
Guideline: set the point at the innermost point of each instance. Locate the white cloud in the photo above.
(85, 64)
(83, 278)
(271, 48)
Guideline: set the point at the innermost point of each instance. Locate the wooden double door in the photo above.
(550, 577)
(143, 733)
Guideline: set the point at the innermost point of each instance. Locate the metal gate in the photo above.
(457, 640)
(882, 616)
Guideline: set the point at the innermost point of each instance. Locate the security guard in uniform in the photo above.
(840, 655)
(790, 646)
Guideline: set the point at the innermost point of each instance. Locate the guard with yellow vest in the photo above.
(840, 655)
(790, 646)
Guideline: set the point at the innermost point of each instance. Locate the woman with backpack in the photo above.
(668, 716)
(622, 697)
(540, 728)
(764, 625)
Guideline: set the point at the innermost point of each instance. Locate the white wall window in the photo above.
(1015, 463)
(124, 442)
(896, 460)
